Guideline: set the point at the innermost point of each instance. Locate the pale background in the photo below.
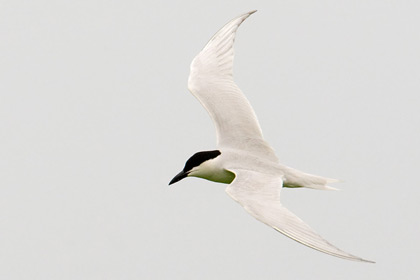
(96, 118)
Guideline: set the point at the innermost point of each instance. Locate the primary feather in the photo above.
(259, 194)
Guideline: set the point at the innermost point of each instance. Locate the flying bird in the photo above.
(243, 159)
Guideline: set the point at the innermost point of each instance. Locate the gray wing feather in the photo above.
(259, 194)
(211, 82)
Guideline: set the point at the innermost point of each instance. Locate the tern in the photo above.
(243, 159)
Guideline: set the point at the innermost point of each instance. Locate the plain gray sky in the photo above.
(96, 118)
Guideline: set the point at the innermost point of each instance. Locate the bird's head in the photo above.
(197, 166)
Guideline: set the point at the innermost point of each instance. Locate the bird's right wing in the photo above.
(211, 82)
(259, 194)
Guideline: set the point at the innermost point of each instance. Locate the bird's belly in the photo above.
(219, 176)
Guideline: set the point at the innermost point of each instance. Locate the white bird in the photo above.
(243, 158)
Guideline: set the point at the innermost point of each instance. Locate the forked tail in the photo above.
(297, 179)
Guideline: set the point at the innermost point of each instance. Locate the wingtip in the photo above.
(250, 13)
(362, 260)
(340, 254)
(247, 14)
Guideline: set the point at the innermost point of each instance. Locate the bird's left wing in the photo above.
(211, 82)
(259, 194)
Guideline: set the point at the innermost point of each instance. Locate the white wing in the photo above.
(259, 194)
(211, 82)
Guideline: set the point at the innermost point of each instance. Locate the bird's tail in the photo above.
(297, 179)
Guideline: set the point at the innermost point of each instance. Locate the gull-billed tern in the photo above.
(244, 160)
